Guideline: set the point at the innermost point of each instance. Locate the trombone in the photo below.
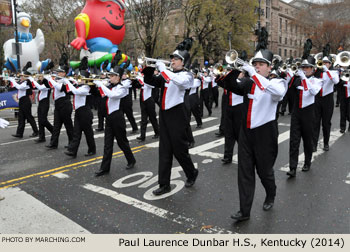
(151, 62)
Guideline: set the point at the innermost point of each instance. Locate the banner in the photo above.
(5, 12)
(8, 100)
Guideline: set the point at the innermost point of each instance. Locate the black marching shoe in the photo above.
(130, 165)
(40, 140)
(156, 136)
(267, 205)
(50, 146)
(306, 168)
(71, 154)
(226, 160)
(16, 135)
(99, 130)
(199, 126)
(35, 134)
(162, 190)
(210, 114)
(101, 172)
(292, 173)
(190, 182)
(90, 153)
(342, 131)
(191, 145)
(219, 134)
(134, 131)
(326, 147)
(140, 139)
(239, 216)
(314, 148)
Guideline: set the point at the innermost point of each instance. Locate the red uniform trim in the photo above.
(250, 107)
(230, 99)
(291, 81)
(256, 80)
(329, 75)
(304, 85)
(165, 76)
(163, 99)
(301, 99)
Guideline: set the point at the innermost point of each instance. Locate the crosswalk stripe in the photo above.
(22, 213)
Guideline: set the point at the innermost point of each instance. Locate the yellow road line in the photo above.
(45, 173)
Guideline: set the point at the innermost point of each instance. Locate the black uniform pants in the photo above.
(301, 126)
(224, 104)
(115, 129)
(215, 96)
(62, 115)
(101, 111)
(204, 98)
(173, 141)
(148, 110)
(83, 123)
(324, 107)
(126, 106)
(257, 149)
(187, 108)
(43, 109)
(344, 110)
(25, 113)
(233, 121)
(195, 108)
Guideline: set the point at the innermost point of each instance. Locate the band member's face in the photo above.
(22, 78)
(327, 64)
(124, 77)
(114, 78)
(62, 74)
(176, 63)
(262, 68)
(308, 70)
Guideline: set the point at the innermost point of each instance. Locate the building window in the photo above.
(267, 12)
(285, 41)
(290, 53)
(285, 52)
(268, 26)
(296, 43)
(286, 11)
(279, 51)
(268, 2)
(286, 21)
(280, 24)
(291, 42)
(295, 54)
(280, 40)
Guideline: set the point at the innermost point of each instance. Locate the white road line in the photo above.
(21, 213)
(335, 134)
(347, 181)
(61, 175)
(160, 212)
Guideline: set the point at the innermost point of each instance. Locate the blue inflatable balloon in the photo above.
(206, 63)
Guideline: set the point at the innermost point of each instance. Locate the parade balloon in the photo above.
(31, 47)
(206, 63)
(100, 28)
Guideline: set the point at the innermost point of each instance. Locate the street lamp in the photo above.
(16, 35)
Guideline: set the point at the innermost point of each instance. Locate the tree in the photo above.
(210, 22)
(56, 19)
(147, 17)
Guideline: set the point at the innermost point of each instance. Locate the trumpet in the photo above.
(150, 62)
(345, 75)
(231, 58)
(318, 58)
(343, 59)
(218, 69)
(283, 68)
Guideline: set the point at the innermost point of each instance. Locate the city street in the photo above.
(48, 192)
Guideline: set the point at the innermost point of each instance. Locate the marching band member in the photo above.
(115, 122)
(63, 108)
(344, 99)
(82, 118)
(204, 93)
(148, 109)
(214, 92)
(301, 124)
(324, 104)
(43, 107)
(24, 106)
(257, 143)
(172, 119)
(194, 99)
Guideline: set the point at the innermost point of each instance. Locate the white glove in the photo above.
(161, 66)
(325, 69)
(3, 123)
(98, 83)
(301, 74)
(249, 69)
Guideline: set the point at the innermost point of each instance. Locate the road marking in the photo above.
(21, 213)
(47, 173)
(157, 211)
(347, 181)
(334, 136)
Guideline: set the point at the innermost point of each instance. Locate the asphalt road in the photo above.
(48, 192)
